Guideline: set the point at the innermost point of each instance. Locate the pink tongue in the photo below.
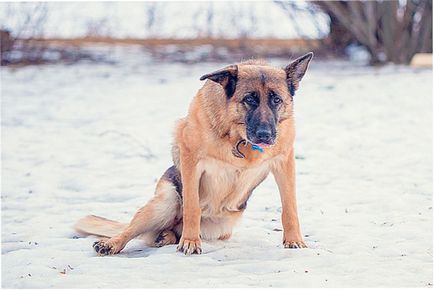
(263, 145)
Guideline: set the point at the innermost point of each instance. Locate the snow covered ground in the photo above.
(94, 138)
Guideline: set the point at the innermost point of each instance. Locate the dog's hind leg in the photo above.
(105, 228)
(166, 237)
(161, 213)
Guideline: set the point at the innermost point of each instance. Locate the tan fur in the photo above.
(215, 183)
(95, 225)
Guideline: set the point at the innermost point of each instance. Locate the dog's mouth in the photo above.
(262, 145)
(262, 142)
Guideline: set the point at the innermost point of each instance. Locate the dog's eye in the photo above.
(276, 100)
(250, 100)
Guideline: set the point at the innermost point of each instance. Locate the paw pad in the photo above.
(102, 248)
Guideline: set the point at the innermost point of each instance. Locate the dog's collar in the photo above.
(236, 149)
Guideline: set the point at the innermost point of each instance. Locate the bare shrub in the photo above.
(392, 31)
(98, 28)
(27, 23)
(22, 37)
(297, 13)
(154, 17)
(6, 45)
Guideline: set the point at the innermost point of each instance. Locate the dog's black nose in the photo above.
(263, 135)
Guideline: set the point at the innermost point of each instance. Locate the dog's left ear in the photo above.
(296, 70)
(226, 77)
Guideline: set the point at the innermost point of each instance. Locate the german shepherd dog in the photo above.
(239, 128)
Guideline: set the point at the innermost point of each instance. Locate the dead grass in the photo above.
(293, 44)
(163, 49)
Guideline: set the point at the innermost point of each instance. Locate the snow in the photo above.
(229, 19)
(94, 138)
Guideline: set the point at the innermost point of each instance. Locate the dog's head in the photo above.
(260, 95)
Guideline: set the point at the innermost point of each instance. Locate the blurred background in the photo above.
(372, 32)
(91, 91)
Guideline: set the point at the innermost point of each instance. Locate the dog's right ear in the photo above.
(226, 77)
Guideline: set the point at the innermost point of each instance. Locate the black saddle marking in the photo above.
(173, 175)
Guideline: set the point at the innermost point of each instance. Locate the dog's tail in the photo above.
(98, 226)
(93, 225)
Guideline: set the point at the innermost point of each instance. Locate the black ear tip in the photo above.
(308, 55)
(305, 57)
(203, 77)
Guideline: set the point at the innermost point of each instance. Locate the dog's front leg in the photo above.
(284, 173)
(190, 242)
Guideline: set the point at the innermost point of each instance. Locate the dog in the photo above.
(238, 129)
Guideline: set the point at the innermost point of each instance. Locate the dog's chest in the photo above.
(225, 188)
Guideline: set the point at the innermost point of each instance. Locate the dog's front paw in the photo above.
(294, 244)
(104, 247)
(190, 246)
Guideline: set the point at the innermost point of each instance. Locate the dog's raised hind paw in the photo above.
(104, 247)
